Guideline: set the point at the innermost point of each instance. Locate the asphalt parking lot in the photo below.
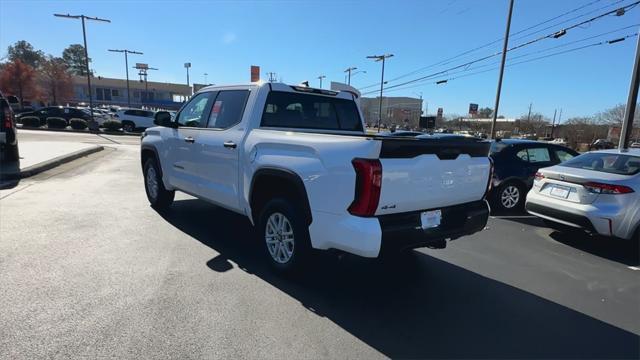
(88, 269)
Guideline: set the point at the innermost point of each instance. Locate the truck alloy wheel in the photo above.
(279, 238)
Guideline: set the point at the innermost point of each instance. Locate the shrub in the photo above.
(30, 121)
(78, 124)
(112, 125)
(56, 123)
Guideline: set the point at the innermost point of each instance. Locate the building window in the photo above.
(115, 93)
(99, 94)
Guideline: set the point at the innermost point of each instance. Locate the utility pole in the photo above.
(86, 51)
(272, 76)
(126, 66)
(349, 70)
(529, 116)
(321, 77)
(630, 110)
(553, 124)
(205, 78)
(380, 58)
(504, 58)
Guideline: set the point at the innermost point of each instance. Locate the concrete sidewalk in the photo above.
(39, 156)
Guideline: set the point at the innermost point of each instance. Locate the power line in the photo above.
(449, 60)
(556, 34)
(605, 42)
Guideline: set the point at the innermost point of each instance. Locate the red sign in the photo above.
(255, 73)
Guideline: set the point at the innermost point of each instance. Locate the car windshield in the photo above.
(606, 162)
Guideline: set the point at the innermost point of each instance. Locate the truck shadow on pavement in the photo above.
(419, 308)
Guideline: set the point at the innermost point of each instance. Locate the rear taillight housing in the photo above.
(538, 176)
(602, 188)
(8, 119)
(368, 184)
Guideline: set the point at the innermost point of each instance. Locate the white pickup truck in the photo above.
(298, 163)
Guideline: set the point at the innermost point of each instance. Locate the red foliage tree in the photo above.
(19, 79)
(57, 81)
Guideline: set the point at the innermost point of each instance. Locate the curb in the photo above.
(81, 131)
(50, 164)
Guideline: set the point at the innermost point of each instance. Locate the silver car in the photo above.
(598, 192)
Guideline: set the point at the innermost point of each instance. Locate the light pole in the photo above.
(380, 58)
(504, 58)
(187, 66)
(349, 70)
(86, 51)
(321, 77)
(126, 67)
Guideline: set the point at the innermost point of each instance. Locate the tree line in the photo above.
(31, 74)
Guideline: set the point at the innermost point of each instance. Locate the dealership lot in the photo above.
(81, 278)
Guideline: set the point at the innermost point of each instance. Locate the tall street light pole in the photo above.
(349, 70)
(504, 58)
(630, 110)
(187, 65)
(86, 51)
(380, 58)
(126, 66)
(321, 77)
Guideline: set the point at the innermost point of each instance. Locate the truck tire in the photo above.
(283, 227)
(158, 196)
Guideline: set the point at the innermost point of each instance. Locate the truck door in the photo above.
(218, 148)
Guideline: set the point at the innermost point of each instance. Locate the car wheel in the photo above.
(10, 153)
(284, 229)
(158, 196)
(510, 196)
(128, 126)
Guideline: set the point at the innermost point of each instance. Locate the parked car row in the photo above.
(131, 119)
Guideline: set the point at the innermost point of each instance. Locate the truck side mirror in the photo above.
(163, 118)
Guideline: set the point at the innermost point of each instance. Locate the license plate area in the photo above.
(560, 191)
(430, 219)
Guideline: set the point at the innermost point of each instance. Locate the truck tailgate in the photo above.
(419, 174)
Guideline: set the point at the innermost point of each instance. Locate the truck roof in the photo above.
(283, 87)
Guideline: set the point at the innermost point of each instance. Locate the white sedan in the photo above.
(598, 192)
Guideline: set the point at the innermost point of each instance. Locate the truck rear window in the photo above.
(305, 111)
(606, 162)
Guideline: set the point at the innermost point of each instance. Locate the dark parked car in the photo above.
(66, 113)
(515, 165)
(8, 138)
(601, 144)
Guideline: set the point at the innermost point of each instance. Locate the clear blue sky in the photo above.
(300, 40)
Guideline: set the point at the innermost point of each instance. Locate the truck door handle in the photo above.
(229, 144)
(189, 139)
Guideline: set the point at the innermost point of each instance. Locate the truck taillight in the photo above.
(601, 188)
(368, 184)
(8, 119)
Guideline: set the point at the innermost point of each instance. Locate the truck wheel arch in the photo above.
(150, 152)
(268, 183)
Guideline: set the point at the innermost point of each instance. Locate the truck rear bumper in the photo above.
(404, 231)
(369, 237)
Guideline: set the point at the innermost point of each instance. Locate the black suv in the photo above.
(66, 113)
(515, 165)
(8, 138)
